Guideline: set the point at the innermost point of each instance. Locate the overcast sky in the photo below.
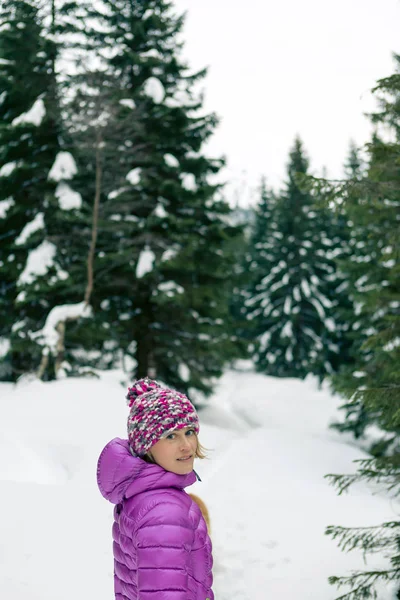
(278, 68)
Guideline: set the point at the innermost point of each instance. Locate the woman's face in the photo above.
(176, 451)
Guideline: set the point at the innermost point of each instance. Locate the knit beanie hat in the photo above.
(154, 412)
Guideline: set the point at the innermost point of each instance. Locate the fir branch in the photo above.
(383, 469)
(341, 482)
(368, 539)
(367, 580)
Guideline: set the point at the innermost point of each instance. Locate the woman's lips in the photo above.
(186, 458)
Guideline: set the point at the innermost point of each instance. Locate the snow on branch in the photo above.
(51, 337)
(189, 182)
(128, 102)
(154, 89)
(48, 337)
(5, 205)
(171, 160)
(9, 167)
(134, 176)
(31, 227)
(39, 261)
(67, 198)
(34, 116)
(64, 167)
(4, 346)
(145, 262)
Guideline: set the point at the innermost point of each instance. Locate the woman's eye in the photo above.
(190, 432)
(170, 436)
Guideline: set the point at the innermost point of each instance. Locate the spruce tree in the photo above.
(260, 250)
(354, 164)
(164, 259)
(293, 298)
(27, 142)
(38, 205)
(355, 327)
(256, 262)
(372, 203)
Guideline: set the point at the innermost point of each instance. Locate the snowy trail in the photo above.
(262, 524)
(269, 501)
(264, 487)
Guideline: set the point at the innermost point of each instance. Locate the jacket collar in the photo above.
(121, 475)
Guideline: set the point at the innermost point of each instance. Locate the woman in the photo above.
(161, 547)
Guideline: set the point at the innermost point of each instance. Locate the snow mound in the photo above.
(28, 463)
(269, 448)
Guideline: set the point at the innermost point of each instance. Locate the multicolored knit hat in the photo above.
(155, 411)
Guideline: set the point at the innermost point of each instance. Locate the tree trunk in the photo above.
(90, 277)
(43, 365)
(142, 357)
(99, 173)
(60, 346)
(60, 327)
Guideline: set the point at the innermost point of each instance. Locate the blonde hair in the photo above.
(201, 452)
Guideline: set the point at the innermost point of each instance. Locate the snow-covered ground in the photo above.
(264, 486)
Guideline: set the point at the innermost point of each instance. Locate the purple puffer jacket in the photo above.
(162, 550)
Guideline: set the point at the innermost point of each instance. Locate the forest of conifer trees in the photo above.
(118, 247)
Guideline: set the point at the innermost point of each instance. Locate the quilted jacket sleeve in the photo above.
(164, 539)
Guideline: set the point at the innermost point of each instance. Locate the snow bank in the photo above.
(28, 464)
(264, 485)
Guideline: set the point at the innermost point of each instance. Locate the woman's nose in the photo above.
(185, 443)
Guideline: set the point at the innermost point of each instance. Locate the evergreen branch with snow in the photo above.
(383, 469)
(364, 583)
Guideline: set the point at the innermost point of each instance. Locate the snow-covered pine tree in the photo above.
(259, 255)
(30, 270)
(293, 301)
(256, 263)
(164, 262)
(354, 164)
(373, 205)
(354, 329)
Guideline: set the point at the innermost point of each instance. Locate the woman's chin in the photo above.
(184, 467)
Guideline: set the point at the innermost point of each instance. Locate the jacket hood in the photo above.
(121, 475)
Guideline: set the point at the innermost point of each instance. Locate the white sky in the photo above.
(281, 68)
